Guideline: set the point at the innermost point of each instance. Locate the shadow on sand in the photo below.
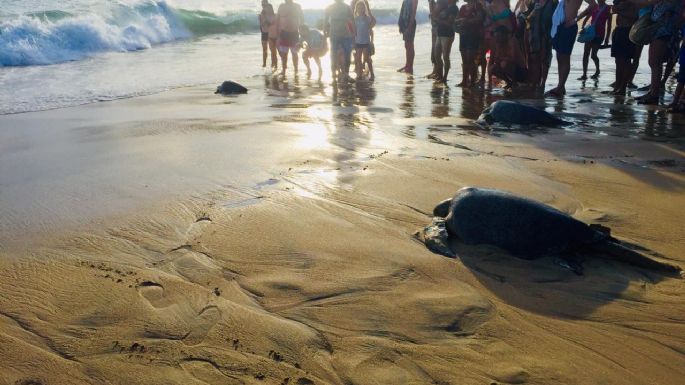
(542, 286)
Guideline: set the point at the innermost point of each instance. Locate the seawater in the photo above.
(62, 53)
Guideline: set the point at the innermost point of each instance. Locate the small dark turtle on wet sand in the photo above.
(507, 112)
(230, 88)
(525, 228)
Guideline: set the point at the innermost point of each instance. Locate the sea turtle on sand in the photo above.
(525, 228)
(230, 88)
(508, 112)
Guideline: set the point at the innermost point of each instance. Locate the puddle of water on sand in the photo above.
(248, 196)
(232, 204)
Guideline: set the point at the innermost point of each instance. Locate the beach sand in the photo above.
(187, 238)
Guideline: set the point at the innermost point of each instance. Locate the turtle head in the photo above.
(485, 118)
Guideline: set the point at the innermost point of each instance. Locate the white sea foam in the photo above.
(31, 40)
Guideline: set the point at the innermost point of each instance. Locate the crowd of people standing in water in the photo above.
(515, 45)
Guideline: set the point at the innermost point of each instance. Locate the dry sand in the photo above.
(304, 269)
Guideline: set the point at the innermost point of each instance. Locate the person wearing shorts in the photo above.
(446, 12)
(565, 39)
(267, 21)
(622, 49)
(339, 28)
(289, 18)
(564, 31)
(601, 19)
(364, 23)
(470, 25)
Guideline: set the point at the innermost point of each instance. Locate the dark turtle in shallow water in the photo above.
(230, 88)
(525, 228)
(507, 112)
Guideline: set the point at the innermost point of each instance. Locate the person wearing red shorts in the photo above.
(289, 20)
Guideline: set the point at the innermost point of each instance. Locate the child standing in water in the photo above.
(600, 17)
(315, 47)
(267, 21)
(364, 24)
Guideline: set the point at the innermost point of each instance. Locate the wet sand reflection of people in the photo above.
(623, 119)
(358, 94)
(351, 131)
(408, 104)
(440, 100)
(279, 86)
(656, 125)
(472, 103)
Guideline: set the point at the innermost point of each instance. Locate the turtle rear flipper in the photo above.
(616, 251)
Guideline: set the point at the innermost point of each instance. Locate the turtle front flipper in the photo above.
(443, 208)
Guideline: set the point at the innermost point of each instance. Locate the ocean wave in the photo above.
(51, 37)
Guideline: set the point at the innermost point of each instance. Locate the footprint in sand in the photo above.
(198, 324)
(205, 321)
(153, 292)
(205, 371)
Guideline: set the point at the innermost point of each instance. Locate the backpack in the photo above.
(644, 29)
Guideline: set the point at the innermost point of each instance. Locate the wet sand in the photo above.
(186, 238)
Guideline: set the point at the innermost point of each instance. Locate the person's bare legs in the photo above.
(587, 47)
(564, 64)
(284, 61)
(483, 64)
(274, 54)
(347, 62)
(305, 60)
(595, 59)
(446, 51)
(358, 66)
(335, 57)
(296, 60)
(265, 54)
(657, 52)
(367, 59)
(546, 63)
(434, 37)
(465, 70)
(670, 65)
(473, 67)
(636, 63)
(317, 59)
(409, 48)
(623, 68)
(439, 64)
